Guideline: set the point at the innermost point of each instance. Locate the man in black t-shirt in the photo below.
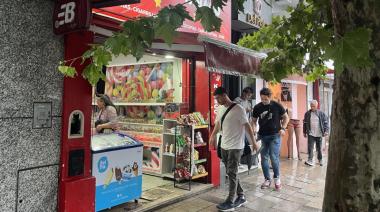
(272, 122)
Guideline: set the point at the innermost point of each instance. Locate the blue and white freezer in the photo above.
(117, 167)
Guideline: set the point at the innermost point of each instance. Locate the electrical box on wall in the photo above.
(42, 115)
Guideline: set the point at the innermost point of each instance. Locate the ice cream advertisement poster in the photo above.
(118, 176)
(146, 83)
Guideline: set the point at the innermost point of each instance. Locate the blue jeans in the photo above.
(271, 147)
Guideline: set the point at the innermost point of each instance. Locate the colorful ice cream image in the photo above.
(135, 169)
(118, 174)
(127, 172)
(108, 179)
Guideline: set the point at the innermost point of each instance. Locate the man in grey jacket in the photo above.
(315, 127)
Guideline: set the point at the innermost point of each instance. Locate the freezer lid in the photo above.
(113, 141)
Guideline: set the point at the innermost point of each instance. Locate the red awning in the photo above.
(229, 58)
(219, 56)
(111, 3)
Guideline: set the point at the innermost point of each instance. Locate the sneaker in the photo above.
(240, 201)
(320, 162)
(277, 183)
(309, 163)
(266, 184)
(226, 206)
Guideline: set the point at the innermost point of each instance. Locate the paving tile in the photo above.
(260, 204)
(286, 205)
(271, 198)
(212, 199)
(302, 195)
(308, 209)
(255, 194)
(317, 205)
(244, 209)
(208, 209)
(298, 200)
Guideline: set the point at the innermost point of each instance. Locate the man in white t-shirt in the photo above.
(233, 126)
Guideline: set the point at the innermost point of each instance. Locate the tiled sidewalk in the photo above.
(303, 190)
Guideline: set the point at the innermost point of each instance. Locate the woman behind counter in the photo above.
(107, 118)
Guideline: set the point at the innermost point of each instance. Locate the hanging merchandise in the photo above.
(198, 138)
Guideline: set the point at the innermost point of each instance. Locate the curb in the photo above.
(175, 200)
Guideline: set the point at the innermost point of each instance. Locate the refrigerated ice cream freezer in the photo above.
(117, 167)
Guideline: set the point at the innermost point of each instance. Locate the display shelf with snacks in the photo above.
(169, 154)
(199, 176)
(200, 145)
(191, 152)
(201, 127)
(200, 161)
(139, 124)
(137, 103)
(169, 147)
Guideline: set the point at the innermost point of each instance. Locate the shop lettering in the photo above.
(255, 20)
(67, 13)
(71, 15)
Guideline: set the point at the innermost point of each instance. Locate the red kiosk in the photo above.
(76, 183)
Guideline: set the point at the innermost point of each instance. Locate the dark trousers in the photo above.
(311, 140)
(231, 159)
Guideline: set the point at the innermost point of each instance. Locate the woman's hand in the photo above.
(99, 128)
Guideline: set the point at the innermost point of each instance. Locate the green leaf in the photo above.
(323, 37)
(101, 56)
(181, 10)
(116, 43)
(218, 4)
(209, 20)
(168, 20)
(67, 70)
(356, 48)
(166, 32)
(93, 74)
(352, 50)
(239, 4)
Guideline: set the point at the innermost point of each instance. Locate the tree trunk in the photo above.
(353, 172)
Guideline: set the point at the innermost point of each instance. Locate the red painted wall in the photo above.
(202, 89)
(76, 96)
(202, 104)
(185, 86)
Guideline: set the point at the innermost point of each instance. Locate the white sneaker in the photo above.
(309, 163)
(277, 183)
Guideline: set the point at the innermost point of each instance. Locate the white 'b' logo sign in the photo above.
(67, 14)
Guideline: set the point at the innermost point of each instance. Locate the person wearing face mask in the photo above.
(273, 120)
